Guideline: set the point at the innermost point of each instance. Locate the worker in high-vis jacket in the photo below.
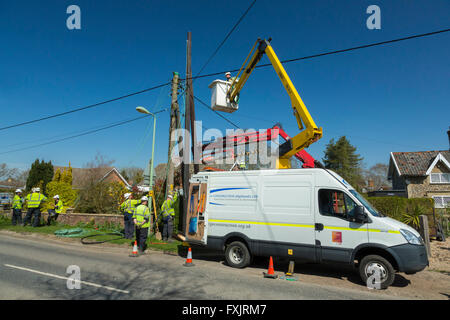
(127, 207)
(34, 201)
(141, 219)
(54, 213)
(168, 215)
(17, 208)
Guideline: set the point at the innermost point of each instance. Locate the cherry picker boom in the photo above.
(310, 132)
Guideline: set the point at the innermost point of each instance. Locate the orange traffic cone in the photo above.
(188, 262)
(270, 272)
(134, 253)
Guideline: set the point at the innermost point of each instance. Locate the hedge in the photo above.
(396, 207)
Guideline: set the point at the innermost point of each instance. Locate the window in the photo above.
(441, 201)
(336, 203)
(440, 177)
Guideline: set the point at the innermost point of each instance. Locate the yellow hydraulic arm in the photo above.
(311, 132)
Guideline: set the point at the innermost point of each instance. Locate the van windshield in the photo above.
(366, 204)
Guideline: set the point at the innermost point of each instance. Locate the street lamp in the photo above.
(143, 110)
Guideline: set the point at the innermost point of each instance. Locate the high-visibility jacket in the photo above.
(17, 202)
(167, 207)
(34, 199)
(142, 215)
(59, 207)
(129, 205)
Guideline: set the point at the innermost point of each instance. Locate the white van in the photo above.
(309, 215)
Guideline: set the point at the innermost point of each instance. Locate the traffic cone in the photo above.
(270, 272)
(134, 253)
(188, 262)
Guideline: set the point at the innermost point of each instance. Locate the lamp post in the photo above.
(143, 110)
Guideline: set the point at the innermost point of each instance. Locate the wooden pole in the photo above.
(425, 233)
(187, 137)
(174, 112)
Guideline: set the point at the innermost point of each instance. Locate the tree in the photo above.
(6, 172)
(133, 174)
(61, 185)
(378, 175)
(342, 158)
(99, 196)
(40, 174)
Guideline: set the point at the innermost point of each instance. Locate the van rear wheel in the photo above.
(378, 269)
(237, 255)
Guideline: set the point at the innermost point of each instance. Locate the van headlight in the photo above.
(411, 237)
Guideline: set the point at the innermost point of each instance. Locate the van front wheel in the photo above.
(237, 255)
(376, 272)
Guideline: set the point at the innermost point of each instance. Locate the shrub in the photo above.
(403, 209)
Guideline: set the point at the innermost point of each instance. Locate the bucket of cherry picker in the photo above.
(219, 99)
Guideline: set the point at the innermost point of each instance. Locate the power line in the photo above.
(332, 52)
(221, 72)
(84, 108)
(227, 36)
(82, 134)
(208, 107)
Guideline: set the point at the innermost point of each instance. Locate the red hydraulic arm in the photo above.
(221, 145)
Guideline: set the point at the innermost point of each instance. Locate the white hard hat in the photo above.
(18, 190)
(37, 189)
(170, 196)
(127, 195)
(56, 197)
(228, 73)
(144, 198)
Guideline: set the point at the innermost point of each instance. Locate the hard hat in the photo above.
(37, 189)
(144, 198)
(127, 195)
(228, 73)
(56, 197)
(18, 190)
(170, 196)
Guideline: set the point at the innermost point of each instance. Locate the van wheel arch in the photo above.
(375, 250)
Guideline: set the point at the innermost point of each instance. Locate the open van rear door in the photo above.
(196, 219)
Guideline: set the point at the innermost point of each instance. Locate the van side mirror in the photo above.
(360, 215)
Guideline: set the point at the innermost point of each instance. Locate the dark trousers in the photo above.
(52, 215)
(141, 237)
(129, 225)
(36, 214)
(16, 217)
(167, 229)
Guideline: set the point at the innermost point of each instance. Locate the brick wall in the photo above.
(74, 218)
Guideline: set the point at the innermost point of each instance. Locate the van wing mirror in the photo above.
(360, 215)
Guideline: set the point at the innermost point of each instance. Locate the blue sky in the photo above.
(387, 98)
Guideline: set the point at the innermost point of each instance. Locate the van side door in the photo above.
(196, 217)
(336, 232)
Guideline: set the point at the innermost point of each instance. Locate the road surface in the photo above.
(36, 268)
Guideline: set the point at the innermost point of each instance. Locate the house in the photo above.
(81, 175)
(422, 174)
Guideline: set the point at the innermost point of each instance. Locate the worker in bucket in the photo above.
(17, 208)
(34, 201)
(127, 207)
(230, 80)
(168, 215)
(141, 219)
(54, 213)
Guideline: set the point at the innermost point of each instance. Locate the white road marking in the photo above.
(66, 278)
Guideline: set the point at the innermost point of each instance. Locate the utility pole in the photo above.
(190, 93)
(189, 126)
(174, 114)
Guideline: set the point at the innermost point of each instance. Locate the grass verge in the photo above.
(152, 242)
